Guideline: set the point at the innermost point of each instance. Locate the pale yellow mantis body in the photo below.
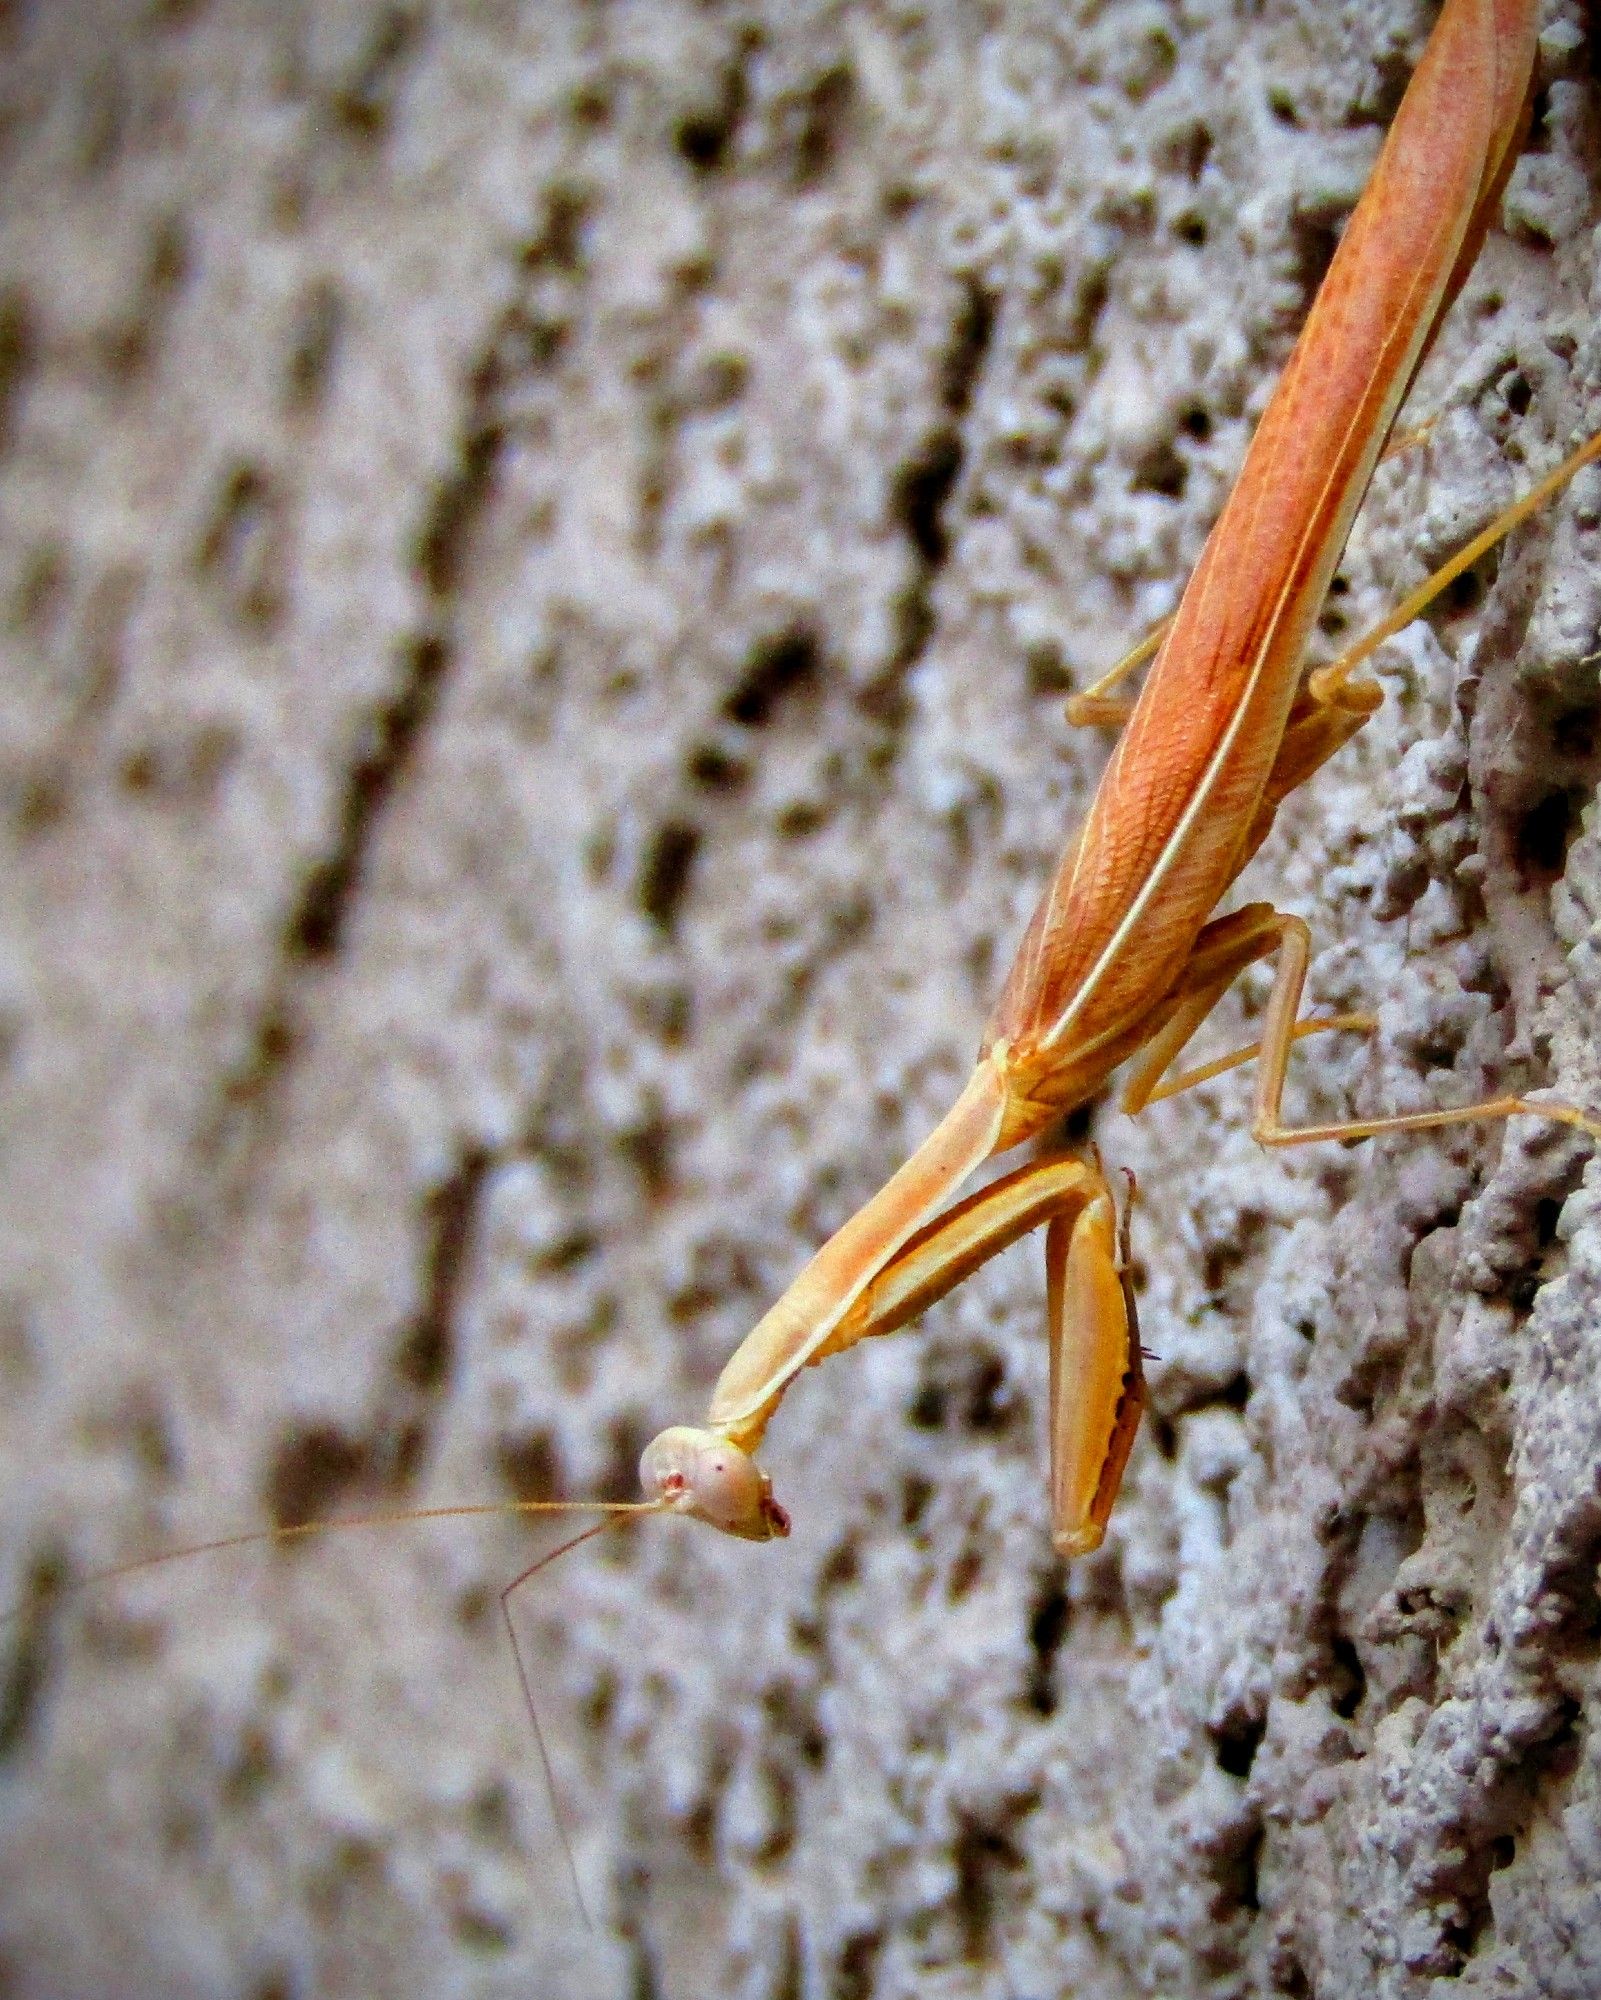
(1124, 958)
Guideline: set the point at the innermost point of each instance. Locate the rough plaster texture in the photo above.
(541, 550)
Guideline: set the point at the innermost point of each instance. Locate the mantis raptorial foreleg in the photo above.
(1097, 1385)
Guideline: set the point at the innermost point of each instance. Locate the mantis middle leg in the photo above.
(1254, 933)
(1332, 706)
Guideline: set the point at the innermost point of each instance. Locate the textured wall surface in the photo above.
(540, 551)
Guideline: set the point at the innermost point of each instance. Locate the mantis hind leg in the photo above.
(1326, 682)
(1098, 707)
(1331, 687)
(1331, 706)
(1097, 1385)
(1329, 694)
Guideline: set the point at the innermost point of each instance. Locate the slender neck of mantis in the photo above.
(797, 1328)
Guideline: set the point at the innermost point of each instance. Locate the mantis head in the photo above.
(702, 1474)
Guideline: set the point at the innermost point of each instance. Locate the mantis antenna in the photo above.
(615, 1514)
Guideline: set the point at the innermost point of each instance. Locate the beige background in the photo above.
(540, 551)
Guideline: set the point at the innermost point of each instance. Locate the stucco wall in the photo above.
(540, 552)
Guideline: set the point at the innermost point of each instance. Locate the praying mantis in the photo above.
(1124, 959)
(1093, 1305)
